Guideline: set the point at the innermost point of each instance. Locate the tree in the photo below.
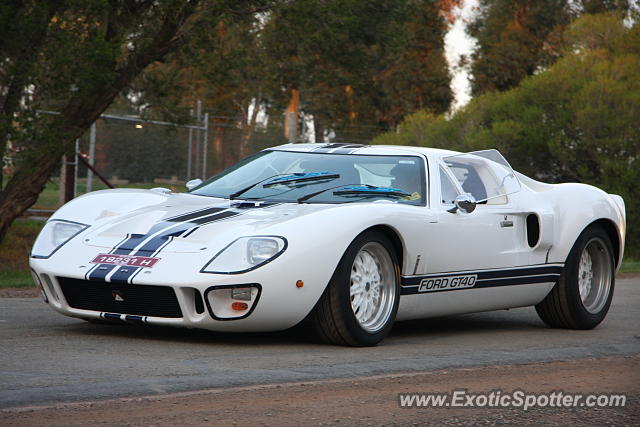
(515, 38)
(359, 67)
(601, 6)
(576, 121)
(75, 57)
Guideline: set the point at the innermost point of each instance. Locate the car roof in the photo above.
(346, 148)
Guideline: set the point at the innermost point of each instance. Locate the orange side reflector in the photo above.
(299, 283)
(239, 306)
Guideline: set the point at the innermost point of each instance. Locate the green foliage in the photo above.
(518, 38)
(601, 6)
(630, 265)
(515, 38)
(576, 121)
(76, 57)
(359, 66)
(361, 63)
(15, 249)
(16, 279)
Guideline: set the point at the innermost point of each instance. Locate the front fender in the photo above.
(94, 206)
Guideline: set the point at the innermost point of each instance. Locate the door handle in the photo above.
(504, 224)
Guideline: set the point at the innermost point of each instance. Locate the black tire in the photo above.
(563, 307)
(333, 317)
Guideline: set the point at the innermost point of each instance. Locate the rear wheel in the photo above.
(360, 303)
(582, 296)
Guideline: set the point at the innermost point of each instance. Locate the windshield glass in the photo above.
(288, 176)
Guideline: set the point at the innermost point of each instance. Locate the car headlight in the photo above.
(245, 254)
(54, 235)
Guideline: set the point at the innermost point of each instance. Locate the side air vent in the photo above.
(533, 230)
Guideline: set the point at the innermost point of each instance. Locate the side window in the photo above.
(448, 191)
(484, 174)
(470, 180)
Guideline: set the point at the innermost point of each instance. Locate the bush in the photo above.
(576, 121)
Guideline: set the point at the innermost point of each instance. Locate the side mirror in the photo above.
(193, 183)
(466, 203)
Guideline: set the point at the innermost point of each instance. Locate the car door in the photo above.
(491, 236)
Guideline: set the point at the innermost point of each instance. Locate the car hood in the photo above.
(188, 223)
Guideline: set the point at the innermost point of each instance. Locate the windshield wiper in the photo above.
(302, 177)
(359, 190)
(286, 178)
(245, 189)
(371, 190)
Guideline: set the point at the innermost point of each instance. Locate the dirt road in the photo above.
(49, 359)
(366, 401)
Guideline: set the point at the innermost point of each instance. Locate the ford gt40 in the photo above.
(349, 237)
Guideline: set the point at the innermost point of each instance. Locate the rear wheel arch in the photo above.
(612, 231)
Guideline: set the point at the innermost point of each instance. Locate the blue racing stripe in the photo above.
(101, 271)
(153, 246)
(481, 279)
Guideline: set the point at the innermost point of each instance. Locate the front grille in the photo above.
(142, 300)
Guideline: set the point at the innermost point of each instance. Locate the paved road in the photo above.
(47, 358)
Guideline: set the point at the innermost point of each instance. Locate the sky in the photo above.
(458, 43)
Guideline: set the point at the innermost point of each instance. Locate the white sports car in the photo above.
(351, 237)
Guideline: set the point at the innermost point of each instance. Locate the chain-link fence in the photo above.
(127, 151)
(132, 152)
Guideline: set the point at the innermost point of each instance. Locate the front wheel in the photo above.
(582, 296)
(360, 303)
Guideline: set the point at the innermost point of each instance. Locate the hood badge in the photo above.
(116, 296)
(246, 205)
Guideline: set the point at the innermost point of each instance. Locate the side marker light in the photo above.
(239, 306)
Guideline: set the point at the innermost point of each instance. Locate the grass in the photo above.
(15, 279)
(16, 247)
(14, 254)
(630, 265)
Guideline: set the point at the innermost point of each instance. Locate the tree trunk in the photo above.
(55, 136)
(292, 109)
(353, 115)
(249, 127)
(23, 189)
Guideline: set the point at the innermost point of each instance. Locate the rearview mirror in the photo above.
(193, 183)
(465, 202)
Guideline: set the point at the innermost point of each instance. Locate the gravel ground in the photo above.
(368, 401)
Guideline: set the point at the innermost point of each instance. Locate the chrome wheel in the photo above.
(373, 287)
(594, 275)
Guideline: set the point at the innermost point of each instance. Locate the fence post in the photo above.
(197, 149)
(68, 175)
(92, 156)
(205, 148)
(190, 148)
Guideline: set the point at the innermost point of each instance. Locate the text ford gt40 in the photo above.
(351, 237)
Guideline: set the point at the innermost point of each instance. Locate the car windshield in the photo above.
(288, 176)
